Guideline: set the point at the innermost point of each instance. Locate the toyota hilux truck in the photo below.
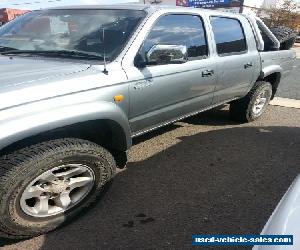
(78, 83)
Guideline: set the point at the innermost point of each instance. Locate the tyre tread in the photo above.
(9, 165)
(239, 109)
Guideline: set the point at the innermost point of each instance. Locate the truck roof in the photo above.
(113, 6)
(145, 7)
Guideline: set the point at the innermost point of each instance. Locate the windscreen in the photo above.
(92, 31)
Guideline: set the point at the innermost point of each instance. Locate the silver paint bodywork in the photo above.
(285, 219)
(41, 94)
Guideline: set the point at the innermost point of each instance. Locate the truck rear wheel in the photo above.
(46, 185)
(252, 106)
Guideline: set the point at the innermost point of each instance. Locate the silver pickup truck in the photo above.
(78, 83)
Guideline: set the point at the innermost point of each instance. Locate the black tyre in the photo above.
(285, 36)
(252, 106)
(46, 185)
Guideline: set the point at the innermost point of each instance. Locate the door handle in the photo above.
(143, 84)
(207, 73)
(248, 65)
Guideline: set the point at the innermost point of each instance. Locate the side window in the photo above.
(229, 35)
(178, 29)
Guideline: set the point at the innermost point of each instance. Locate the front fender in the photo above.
(25, 121)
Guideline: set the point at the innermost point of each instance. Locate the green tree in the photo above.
(284, 15)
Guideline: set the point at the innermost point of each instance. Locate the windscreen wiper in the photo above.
(54, 53)
(4, 49)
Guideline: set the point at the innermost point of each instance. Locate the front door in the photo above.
(164, 92)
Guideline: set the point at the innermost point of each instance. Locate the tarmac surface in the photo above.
(203, 175)
(290, 86)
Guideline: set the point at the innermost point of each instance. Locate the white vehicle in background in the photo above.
(285, 219)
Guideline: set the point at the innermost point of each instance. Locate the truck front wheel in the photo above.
(252, 106)
(46, 185)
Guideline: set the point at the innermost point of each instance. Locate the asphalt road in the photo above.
(290, 86)
(203, 175)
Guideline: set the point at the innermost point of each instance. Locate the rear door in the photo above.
(237, 56)
(161, 93)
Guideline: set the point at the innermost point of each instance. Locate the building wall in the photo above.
(7, 15)
(253, 4)
(3, 16)
(269, 4)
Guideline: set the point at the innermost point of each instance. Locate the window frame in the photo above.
(205, 28)
(214, 37)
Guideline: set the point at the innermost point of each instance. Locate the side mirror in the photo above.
(167, 54)
(139, 62)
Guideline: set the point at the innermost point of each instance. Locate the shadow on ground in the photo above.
(225, 181)
(216, 117)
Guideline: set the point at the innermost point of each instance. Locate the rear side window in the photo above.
(229, 35)
(179, 29)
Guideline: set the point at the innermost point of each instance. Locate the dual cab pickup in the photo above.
(78, 83)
